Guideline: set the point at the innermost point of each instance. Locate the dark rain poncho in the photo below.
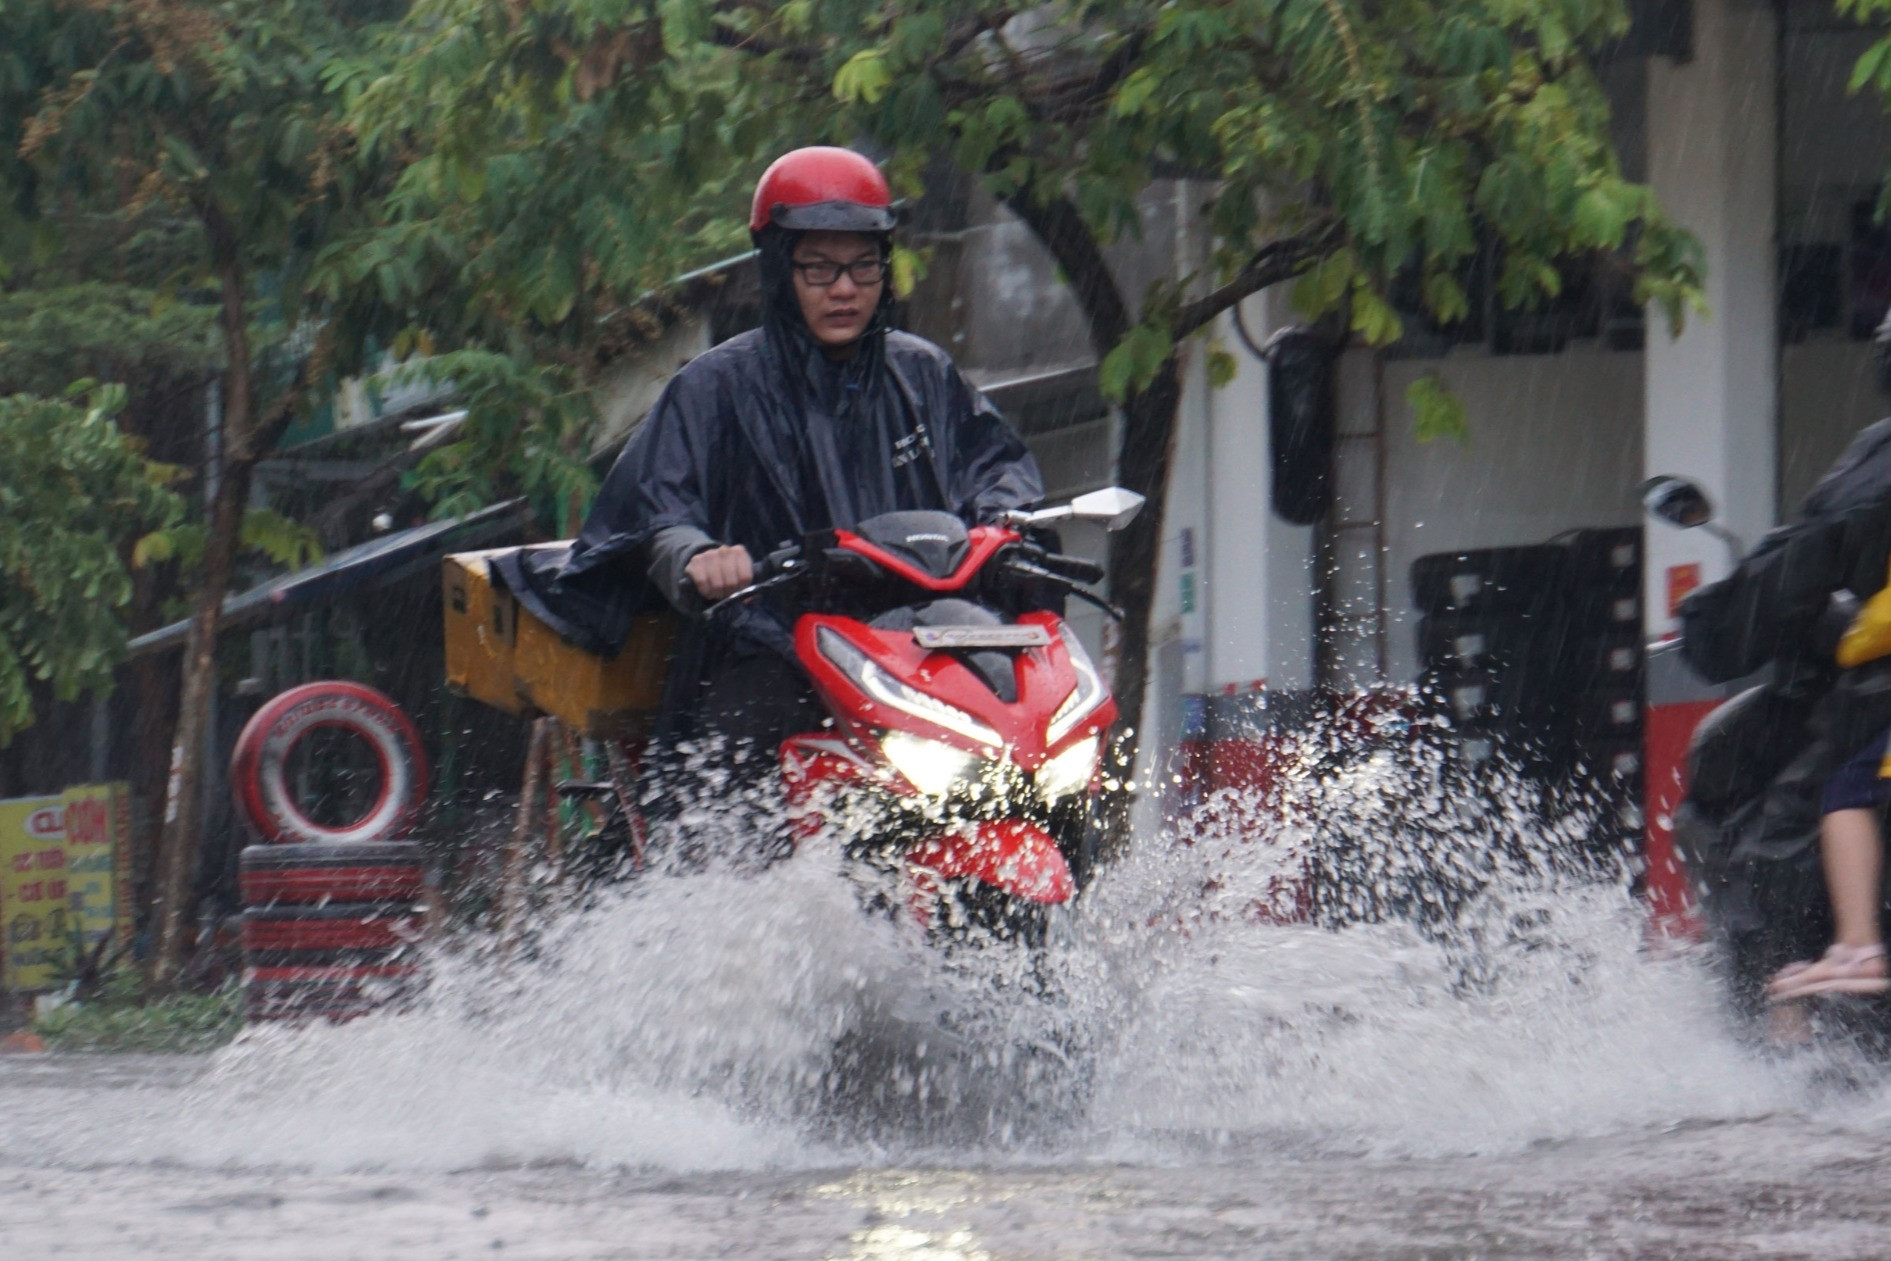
(1749, 828)
(1773, 601)
(760, 441)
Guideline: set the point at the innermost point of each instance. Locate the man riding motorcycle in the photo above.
(821, 418)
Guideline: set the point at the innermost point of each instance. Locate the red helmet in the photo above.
(823, 188)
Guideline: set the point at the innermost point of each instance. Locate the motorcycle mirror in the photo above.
(1112, 508)
(1677, 501)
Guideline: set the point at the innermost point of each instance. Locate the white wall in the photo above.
(1555, 445)
(1711, 392)
(1257, 581)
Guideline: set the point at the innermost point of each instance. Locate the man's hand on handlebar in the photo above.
(720, 572)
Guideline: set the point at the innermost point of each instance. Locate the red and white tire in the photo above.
(369, 926)
(320, 873)
(259, 768)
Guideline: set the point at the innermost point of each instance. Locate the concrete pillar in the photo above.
(1257, 585)
(1711, 393)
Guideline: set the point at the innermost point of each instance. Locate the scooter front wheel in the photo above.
(972, 912)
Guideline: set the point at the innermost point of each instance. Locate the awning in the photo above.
(378, 558)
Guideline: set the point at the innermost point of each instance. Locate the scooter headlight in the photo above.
(1083, 699)
(931, 766)
(889, 691)
(1070, 771)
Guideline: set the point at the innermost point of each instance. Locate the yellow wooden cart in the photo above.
(498, 653)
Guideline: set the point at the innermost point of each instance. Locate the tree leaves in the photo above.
(1873, 67)
(908, 270)
(864, 78)
(1134, 362)
(1374, 319)
(1426, 129)
(282, 541)
(76, 494)
(1436, 411)
(1222, 367)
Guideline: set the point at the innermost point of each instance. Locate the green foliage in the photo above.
(215, 109)
(1873, 67)
(53, 334)
(909, 268)
(1133, 364)
(279, 540)
(1436, 411)
(122, 1017)
(1414, 130)
(1388, 140)
(1222, 367)
(74, 496)
(265, 534)
(528, 431)
(865, 78)
(565, 161)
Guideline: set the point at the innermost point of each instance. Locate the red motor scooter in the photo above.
(969, 725)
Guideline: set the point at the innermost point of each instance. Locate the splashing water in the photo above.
(744, 1019)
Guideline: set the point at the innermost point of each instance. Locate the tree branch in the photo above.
(957, 41)
(1059, 226)
(1275, 262)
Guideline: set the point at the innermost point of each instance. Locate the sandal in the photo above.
(1843, 970)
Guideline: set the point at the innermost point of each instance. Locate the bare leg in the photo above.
(1854, 868)
(1853, 856)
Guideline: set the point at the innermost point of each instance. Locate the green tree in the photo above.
(1339, 145)
(534, 217)
(76, 499)
(223, 114)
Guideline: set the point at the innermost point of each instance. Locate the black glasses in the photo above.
(821, 273)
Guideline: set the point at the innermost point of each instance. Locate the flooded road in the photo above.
(1782, 1185)
(734, 1065)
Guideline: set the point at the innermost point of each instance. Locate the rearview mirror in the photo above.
(1677, 501)
(1681, 503)
(1112, 508)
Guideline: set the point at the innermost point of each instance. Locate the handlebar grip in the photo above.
(1074, 568)
(776, 563)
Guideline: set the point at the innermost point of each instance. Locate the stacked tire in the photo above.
(330, 929)
(332, 915)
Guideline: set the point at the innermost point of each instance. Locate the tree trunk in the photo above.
(1149, 430)
(181, 840)
(154, 690)
(1143, 463)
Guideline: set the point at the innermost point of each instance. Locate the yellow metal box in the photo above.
(499, 653)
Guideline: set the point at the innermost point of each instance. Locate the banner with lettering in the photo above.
(62, 881)
(33, 892)
(98, 871)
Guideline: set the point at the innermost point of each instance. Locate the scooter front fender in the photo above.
(1014, 855)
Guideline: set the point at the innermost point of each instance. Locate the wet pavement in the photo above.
(1780, 1186)
(749, 1068)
